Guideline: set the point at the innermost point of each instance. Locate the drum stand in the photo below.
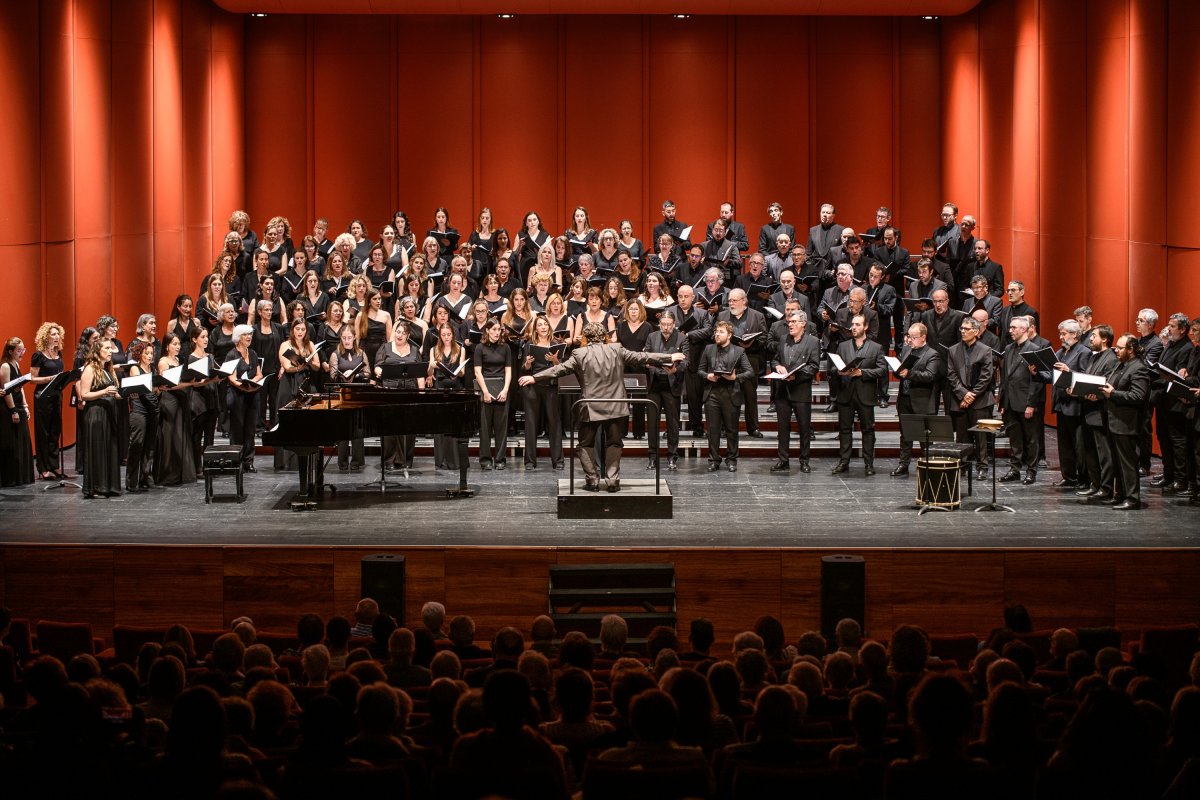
(992, 506)
(926, 456)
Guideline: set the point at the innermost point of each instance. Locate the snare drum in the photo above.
(938, 482)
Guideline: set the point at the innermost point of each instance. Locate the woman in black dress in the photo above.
(206, 399)
(373, 327)
(395, 256)
(362, 245)
(629, 244)
(312, 255)
(493, 365)
(348, 364)
(221, 341)
(397, 451)
(268, 335)
(441, 317)
(47, 408)
(291, 279)
(315, 301)
(632, 332)
(214, 296)
(87, 339)
(143, 421)
(241, 396)
(581, 235)
(330, 331)
(378, 272)
(174, 461)
(100, 396)
(606, 251)
(531, 239)
(404, 235)
(16, 452)
(298, 360)
(336, 280)
(447, 237)
(447, 370)
(664, 261)
(481, 238)
(541, 399)
(564, 258)
(183, 319)
(501, 248)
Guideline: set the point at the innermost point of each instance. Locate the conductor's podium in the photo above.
(636, 500)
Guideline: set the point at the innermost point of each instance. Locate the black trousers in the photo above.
(47, 429)
(1145, 437)
(1162, 432)
(350, 453)
(143, 432)
(204, 430)
(397, 450)
(493, 432)
(614, 430)
(865, 412)
(785, 409)
(668, 405)
(1179, 437)
(904, 406)
(1125, 450)
(720, 412)
(1097, 456)
(694, 388)
(1070, 448)
(965, 419)
(541, 401)
(243, 416)
(1022, 439)
(749, 391)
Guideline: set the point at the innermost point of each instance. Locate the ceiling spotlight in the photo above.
(681, 16)
(257, 14)
(505, 16)
(929, 18)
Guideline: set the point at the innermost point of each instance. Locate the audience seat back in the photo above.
(64, 640)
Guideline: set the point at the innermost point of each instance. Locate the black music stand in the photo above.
(56, 385)
(926, 429)
(992, 434)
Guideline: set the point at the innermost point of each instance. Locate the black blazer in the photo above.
(1101, 364)
(1131, 390)
(677, 343)
(862, 388)
(790, 354)
(1019, 388)
(1077, 358)
(971, 369)
(732, 357)
(755, 322)
(924, 379)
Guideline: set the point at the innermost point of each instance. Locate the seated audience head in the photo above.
(443, 696)
(462, 631)
(310, 630)
(613, 634)
(806, 677)
(469, 715)
(1023, 655)
(701, 634)
(377, 709)
(367, 672)
(839, 671)
(813, 644)
(848, 633)
(576, 651)
(401, 645)
(197, 733)
(542, 630)
(507, 700)
(770, 630)
(536, 669)
(167, 679)
(508, 644)
(940, 711)
(337, 633)
(775, 713)
(1001, 671)
(82, 668)
(180, 635)
(874, 658)
(752, 666)
(868, 718)
(1017, 619)
(1063, 642)
(747, 640)
(246, 632)
(228, 653)
(365, 612)
(381, 630)
(628, 685)
(433, 617)
(256, 655)
(664, 660)
(661, 637)
(573, 694)
(909, 649)
(653, 716)
(1107, 659)
(315, 659)
(446, 664)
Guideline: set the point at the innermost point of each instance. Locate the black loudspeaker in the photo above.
(383, 582)
(843, 592)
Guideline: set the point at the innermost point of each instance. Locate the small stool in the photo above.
(222, 460)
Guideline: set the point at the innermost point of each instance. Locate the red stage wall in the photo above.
(133, 128)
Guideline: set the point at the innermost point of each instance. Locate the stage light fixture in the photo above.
(506, 16)
(681, 16)
(257, 14)
(929, 18)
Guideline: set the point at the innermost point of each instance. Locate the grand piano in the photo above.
(351, 411)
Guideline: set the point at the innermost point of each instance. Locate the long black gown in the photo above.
(16, 451)
(47, 417)
(174, 460)
(285, 392)
(101, 431)
(205, 409)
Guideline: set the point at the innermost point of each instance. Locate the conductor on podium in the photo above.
(600, 368)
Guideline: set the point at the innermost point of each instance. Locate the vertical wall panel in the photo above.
(436, 125)
(518, 169)
(687, 159)
(1183, 120)
(195, 76)
(58, 162)
(917, 170)
(227, 157)
(602, 111)
(1022, 258)
(997, 74)
(169, 177)
(772, 125)
(1146, 201)
(133, 165)
(958, 108)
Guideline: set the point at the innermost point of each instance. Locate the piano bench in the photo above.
(222, 460)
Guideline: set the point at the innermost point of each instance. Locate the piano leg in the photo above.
(464, 464)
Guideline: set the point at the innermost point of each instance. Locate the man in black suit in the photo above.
(949, 226)
(856, 395)
(822, 238)
(883, 222)
(1096, 447)
(780, 258)
(1072, 356)
(699, 334)
(722, 254)
(1127, 391)
(1020, 385)
(797, 355)
(788, 291)
(897, 267)
(981, 297)
(1017, 307)
(665, 386)
(755, 275)
(960, 252)
(881, 298)
(723, 366)
(734, 230)
(971, 374)
(768, 236)
(918, 385)
(749, 333)
(945, 330)
(1171, 415)
(1146, 326)
(672, 226)
(858, 261)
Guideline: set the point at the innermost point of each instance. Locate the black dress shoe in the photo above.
(1188, 491)
(1065, 484)
(1173, 488)
(829, 409)
(673, 463)
(559, 465)
(1010, 476)
(804, 467)
(501, 465)
(652, 463)
(869, 470)
(755, 434)
(1159, 480)
(839, 468)
(614, 486)
(486, 465)
(883, 402)
(780, 466)
(899, 471)
(1088, 491)
(591, 486)
(1030, 478)
(250, 468)
(1111, 500)
(1127, 505)
(713, 466)
(731, 465)
(1143, 472)
(981, 474)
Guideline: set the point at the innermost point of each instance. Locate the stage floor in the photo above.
(517, 508)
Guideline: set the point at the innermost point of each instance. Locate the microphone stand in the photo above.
(62, 481)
